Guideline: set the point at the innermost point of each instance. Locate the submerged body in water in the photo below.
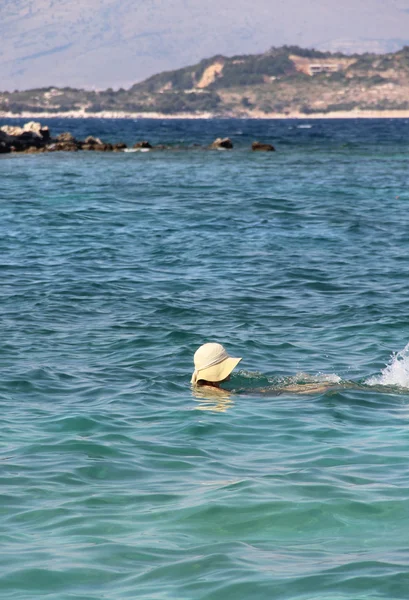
(244, 384)
(213, 367)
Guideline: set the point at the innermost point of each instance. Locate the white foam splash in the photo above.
(329, 377)
(318, 378)
(396, 372)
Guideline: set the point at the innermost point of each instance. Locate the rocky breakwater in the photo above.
(34, 137)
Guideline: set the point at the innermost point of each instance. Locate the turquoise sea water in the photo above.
(118, 482)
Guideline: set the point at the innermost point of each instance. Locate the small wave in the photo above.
(247, 382)
(396, 372)
(304, 126)
(318, 378)
(136, 150)
(301, 378)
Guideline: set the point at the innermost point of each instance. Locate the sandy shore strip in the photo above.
(81, 114)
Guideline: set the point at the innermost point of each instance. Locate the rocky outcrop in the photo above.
(19, 139)
(259, 147)
(118, 147)
(93, 141)
(12, 130)
(34, 137)
(63, 147)
(65, 138)
(222, 143)
(5, 142)
(65, 142)
(142, 145)
(31, 129)
(33, 150)
(95, 144)
(36, 128)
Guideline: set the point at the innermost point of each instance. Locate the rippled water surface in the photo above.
(119, 482)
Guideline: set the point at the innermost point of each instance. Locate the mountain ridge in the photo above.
(283, 80)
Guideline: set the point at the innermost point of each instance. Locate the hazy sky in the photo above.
(113, 43)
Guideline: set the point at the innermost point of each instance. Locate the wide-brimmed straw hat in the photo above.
(212, 363)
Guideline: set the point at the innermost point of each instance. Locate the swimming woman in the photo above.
(213, 366)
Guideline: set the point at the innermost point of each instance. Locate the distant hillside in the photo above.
(283, 80)
(220, 72)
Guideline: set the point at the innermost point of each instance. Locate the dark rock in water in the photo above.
(103, 147)
(38, 130)
(225, 143)
(18, 143)
(93, 141)
(63, 147)
(6, 142)
(34, 137)
(29, 135)
(259, 147)
(34, 150)
(21, 139)
(143, 144)
(65, 142)
(45, 133)
(118, 147)
(66, 138)
(30, 139)
(4, 148)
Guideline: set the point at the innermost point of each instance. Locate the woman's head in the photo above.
(212, 363)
